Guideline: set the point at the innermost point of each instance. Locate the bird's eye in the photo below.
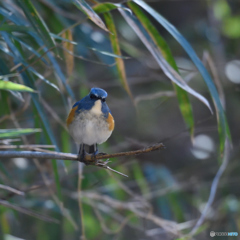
(92, 96)
(103, 99)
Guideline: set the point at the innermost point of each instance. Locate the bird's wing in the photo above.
(71, 115)
(77, 107)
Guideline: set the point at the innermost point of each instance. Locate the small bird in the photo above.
(90, 121)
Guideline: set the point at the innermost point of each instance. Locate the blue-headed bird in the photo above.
(90, 121)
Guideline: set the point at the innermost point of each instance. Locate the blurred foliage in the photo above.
(51, 54)
(230, 21)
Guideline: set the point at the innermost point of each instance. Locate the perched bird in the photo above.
(90, 121)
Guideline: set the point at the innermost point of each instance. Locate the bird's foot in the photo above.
(99, 162)
(81, 158)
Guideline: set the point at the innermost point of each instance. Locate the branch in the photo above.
(13, 190)
(88, 160)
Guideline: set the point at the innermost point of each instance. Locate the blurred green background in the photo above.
(52, 52)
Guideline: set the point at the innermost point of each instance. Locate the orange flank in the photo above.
(110, 121)
(71, 115)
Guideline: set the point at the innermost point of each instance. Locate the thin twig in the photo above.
(10, 189)
(102, 221)
(28, 212)
(65, 212)
(154, 96)
(24, 107)
(87, 60)
(31, 146)
(213, 188)
(168, 226)
(53, 113)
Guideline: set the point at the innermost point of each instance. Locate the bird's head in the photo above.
(98, 94)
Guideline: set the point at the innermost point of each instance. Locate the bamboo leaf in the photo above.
(6, 50)
(107, 7)
(116, 50)
(109, 54)
(31, 49)
(21, 21)
(223, 127)
(6, 85)
(28, 80)
(14, 28)
(167, 69)
(85, 8)
(10, 133)
(69, 58)
(104, 7)
(37, 22)
(63, 39)
(183, 99)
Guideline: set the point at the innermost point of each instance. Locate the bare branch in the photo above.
(74, 157)
(88, 160)
(10, 189)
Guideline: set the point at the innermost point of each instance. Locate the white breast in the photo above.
(90, 127)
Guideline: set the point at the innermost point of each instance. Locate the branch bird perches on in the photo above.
(74, 157)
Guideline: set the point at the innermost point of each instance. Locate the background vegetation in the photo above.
(176, 84)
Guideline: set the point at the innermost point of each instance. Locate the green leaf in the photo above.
(183, 99)
(37, 22)
(107, 7)
(6, 85)
(221, 9)
(109, 54)
(116, 50)
(10, 133)
(104, 7)
(154, 50)
(223, 128)
(231, 28)
(86, 9)
(15, 28)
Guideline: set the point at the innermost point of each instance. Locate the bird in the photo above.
(90, 122)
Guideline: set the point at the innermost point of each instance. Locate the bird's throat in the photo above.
(97, 108)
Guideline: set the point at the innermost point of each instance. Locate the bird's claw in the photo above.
(103, 163)
(94, 157)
